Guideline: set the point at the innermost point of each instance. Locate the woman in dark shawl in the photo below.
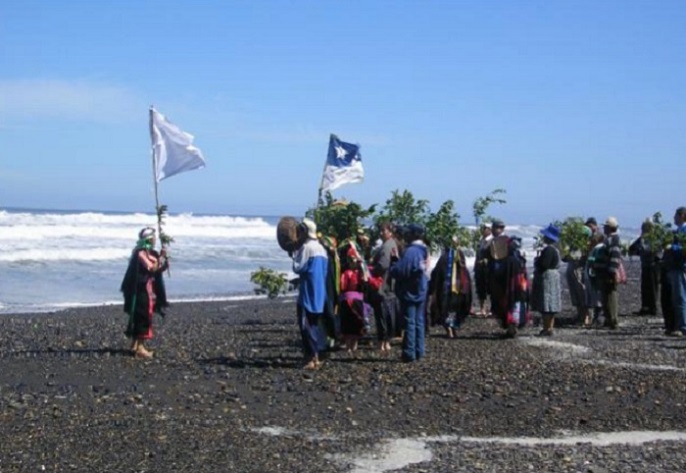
(143, 289)
(451, 289)
(509, 287)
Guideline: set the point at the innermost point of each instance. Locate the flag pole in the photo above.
(154, 179)
(320, 201)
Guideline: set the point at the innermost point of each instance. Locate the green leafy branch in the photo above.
(574, 237)
(659, 235)
(162, 213)
(443, 224)
(481, 205)
(403, 209)
(270, 282)
(339, 218)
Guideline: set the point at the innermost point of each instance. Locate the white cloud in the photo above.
(71, 100)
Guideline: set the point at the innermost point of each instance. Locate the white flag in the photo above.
(173, 150)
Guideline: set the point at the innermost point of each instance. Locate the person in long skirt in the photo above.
(546, 284)
(354, 311)
(143, 289)
(450, 289)
(508, 282)
(383, 297)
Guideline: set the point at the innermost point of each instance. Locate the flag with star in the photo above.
(343, 165)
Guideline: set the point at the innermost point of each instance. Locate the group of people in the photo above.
(593, 275)
(346, 286)
(663, 274)
(343, 285)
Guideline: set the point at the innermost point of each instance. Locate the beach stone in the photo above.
(226, 389)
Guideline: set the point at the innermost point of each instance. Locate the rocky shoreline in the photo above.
(226, 392)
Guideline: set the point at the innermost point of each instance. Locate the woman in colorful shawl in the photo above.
(354, 311)
(546, 297)
(143, 289)
(451, 289)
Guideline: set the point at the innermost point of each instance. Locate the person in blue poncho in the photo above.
(310, 262)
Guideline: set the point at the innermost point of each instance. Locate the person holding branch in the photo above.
(143, 289)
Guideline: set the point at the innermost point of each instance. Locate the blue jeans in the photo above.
(677, 280)
(413, 340)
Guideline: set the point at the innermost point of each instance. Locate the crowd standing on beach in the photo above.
(346, 286)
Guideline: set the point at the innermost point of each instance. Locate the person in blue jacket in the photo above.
(411, 286)
(677, 273)
(310, 262)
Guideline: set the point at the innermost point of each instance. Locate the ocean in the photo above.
(52, 260)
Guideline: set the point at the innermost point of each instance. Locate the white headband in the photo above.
(147, 233)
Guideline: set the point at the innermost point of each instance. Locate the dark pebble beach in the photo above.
(226, 392)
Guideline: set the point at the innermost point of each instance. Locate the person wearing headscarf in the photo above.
(546, 292)
(450, 287)
(144, 292)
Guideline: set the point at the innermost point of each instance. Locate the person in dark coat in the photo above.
(450, 289)
(481, 269)
(143, 289)
(383, 297)
(507, 280)
(650, 270)
(546, 293)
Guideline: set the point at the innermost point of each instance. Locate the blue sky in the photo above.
(573, 107)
